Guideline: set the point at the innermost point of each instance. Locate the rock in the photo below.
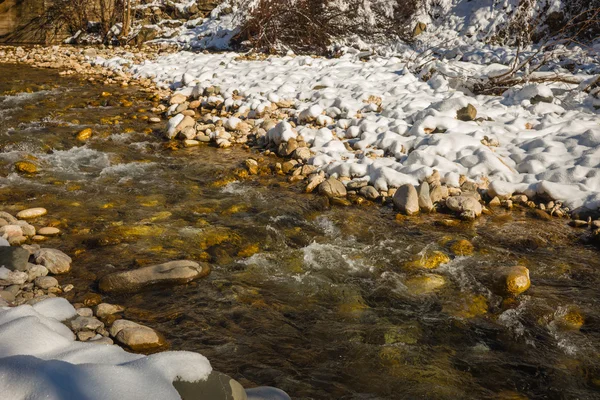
(14, 258)
(495, 202)
(90, 52)
(26, 167)
(429, 260)
(578, 223)
(513, 280)
(174, 272)
(28, 230)
(101, 340)
(217, 386)
(54, 260)
(425, 203)
(92, 299)
(104, 309)
(6, 216)
(369, 192)
(6, 296)
(569, 318)
(540, 214)
(406, 199)
(332, 188)
(48, 231)
(468, 207)
(266, 393)
(84, 336)
(11, 231)
(251, 166)
(425, 284)
(468, 113)
(438, 193)
(178, 123)
(85, 312)
(85, 323)
(32, 213)
(419, 28)
(17, 240)
(177, 99)
(45, 282)
(8, 277)
(84, 135)
(302, 153)
(139, 338)
(35, 271)
(313, 183)
(462, 247)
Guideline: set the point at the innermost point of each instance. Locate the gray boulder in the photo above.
(14, 258)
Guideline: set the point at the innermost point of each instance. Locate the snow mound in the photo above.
(40, 359)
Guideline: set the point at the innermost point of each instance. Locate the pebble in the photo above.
(32, 213)
(48, 231)
(85, 323)
(104, 309)
(45, 282)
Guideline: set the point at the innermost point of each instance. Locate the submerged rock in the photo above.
(32, 213)
(174, 272)
(513, 280)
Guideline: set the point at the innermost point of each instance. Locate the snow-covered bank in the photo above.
(375, 120)
(40, 359)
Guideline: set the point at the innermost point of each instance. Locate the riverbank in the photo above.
(350, 134)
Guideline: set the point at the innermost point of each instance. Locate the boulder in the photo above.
(170, 273)
(406, 199)
(54, 260)
(332, 188)
(14, 258)
(466, 206)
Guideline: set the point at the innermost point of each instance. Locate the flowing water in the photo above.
(323, 302)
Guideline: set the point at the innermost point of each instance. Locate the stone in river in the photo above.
(86, 323)
(48, 231)
(425, 203)
(32, 213)
(406, 199)
(468, 207)
(513, 280)
(46, 282)
(266, 393)
(14, 258)
(11, 231)
(173, 272)
(54, 260)
(217, 386)
(136, 336)
(26, 167)
(332, 188)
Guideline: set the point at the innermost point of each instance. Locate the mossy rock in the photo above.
(429, 260)
(26, 167)
(425, 284)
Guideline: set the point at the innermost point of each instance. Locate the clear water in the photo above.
(315, 300)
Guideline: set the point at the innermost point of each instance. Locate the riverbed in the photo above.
(321, 301)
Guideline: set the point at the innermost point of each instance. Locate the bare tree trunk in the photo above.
(126, 18)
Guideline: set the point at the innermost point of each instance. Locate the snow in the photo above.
(544, 148)
(40, 359)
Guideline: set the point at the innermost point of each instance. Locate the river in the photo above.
(325, 302)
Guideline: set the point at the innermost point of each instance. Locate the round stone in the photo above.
(32, 213)
(46, 282)
(49, 231)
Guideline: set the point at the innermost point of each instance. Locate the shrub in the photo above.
(311, 25)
